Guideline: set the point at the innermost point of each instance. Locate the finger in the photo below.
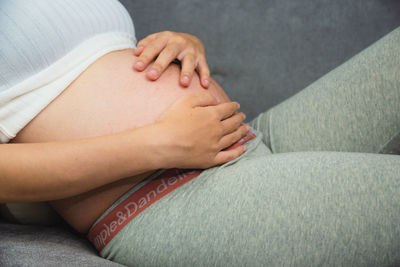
(202, 99)
(233, 123)
(226, 110)
(233, 137)
(228, 155)
(204, 72)
(138, 50)
(167, 55)
(143, 43)
(149, 53)
(188, 66)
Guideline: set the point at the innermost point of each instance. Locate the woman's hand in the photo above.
(168, 46)
(196, 129)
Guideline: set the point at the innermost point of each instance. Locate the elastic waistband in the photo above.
(151, 190)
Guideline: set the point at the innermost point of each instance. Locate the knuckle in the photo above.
(176, 46)
(157, 66)
(194, 59)
(232, 156)
(144, 41)
(188, 63)
(238, 153)
(240, 118)
(186, 72)
(238, 126)
(180, 39)
(215, 147)
(203, 58)
(222, 159)
(242, 134)
(243, 130)
(187, 66)
(166, 33)
(145, 58)
(215, 116)
(233, 107)
(170, 49)
(205, 73)
(191, 51)
(237, 135)
(236, 117)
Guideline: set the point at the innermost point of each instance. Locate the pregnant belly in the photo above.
(108, 97)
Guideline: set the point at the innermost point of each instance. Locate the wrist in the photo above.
(153, 146)
(160, 145)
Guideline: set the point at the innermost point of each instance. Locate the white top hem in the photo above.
(22, 102)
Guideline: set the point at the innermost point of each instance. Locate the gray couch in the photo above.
(260, 51)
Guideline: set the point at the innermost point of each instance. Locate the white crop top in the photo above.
(46, 44)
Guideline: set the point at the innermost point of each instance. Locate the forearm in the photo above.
(48, 171)
(192, 133)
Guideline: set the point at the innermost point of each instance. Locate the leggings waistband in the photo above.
(153, 189)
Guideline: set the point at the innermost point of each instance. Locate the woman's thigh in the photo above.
(304, 209)
(355, 107)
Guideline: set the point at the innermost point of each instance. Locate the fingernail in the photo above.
(185, 79)
(244, 116)
(153, 73)
(138, 49)
(139, 64)
(238, 105)
(206, 82)
(244, 148)
(247, 127)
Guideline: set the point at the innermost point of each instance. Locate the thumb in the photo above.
(203, 99)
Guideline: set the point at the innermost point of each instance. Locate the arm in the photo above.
(47, 171)
(195, 125)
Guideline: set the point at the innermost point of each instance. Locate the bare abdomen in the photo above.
(108, 97)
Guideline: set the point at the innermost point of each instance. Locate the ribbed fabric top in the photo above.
(46, 44)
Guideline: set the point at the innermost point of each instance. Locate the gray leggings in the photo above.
(284, 203)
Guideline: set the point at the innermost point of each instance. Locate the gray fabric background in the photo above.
(273, 208)
(263, 51)
(260, 51)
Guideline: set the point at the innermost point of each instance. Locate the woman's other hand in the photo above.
(168, 46)
(196, 130)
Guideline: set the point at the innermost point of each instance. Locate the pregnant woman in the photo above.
(160, 174)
